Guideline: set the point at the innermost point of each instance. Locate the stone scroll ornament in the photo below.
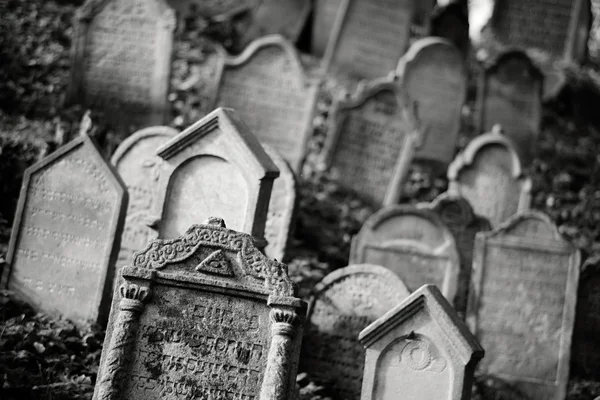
(203, 315)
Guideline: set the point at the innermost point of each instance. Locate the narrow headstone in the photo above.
(215, 167)
(344, 303)
(122, 60)
(205, 315)
(267, 87)
(451, 22)
(419, 350)
(64, 241)
(457, 214)
(510, 94)
(282, 208)
(522, 305)
(413, 243)
(585, 359)
(325, 12)
(434, 75)
(558, 27)
(367, 134)
(138, 165)
(488, 174)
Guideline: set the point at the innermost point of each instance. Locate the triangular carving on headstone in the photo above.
(216, 263)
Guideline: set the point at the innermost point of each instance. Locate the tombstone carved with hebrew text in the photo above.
(488, 174)
(203, 315)
(267, 87)
(122, 60)
(413, 243)
(522, 306)
(63, 245)
(344, 303)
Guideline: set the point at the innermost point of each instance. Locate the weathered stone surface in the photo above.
(215, 167)
(451, 22)
(325, 12)
(65, 235)
(488, 174)
(419, 350)
(522, 306)
(204, 315)
(457, 214)
(267, 87)
(344, 303)
(138, 165)
(122, 60)
(284, 17)
(413, 243)
(367, 134)
(221, 9)
(558, 27)
(282, 208)
(585, 358)
(510, 94)
(434, 75)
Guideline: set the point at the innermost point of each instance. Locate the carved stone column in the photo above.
(118, 360)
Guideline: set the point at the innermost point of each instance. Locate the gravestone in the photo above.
(413, 243)
(344, 303)
(66, 231)
(205, 315)
(488, 174)
(368, 38)
(457, 214)
(522, 306)
(215, 167)
(325, 12)
(282, 209)
(367, 134)
(510, 94)
(419, 350)
(434, 75)
(585, 359)
(451, 22)
(122, 60)
(557, 27)
(138, 165)
(269, 90)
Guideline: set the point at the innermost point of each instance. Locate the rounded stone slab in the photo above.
(345, 302)
(413, 243)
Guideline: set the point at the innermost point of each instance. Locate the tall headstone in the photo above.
(457, 214)
(488, 174)
(122, 60)
(419, 350)
(215, 167)
(434, 76)
(325, 12)
(522, 306)
(367, 134)
(344, 303)
(510, 94)
(413, 243)
(558, 27)
(451, 22)
(138, 165)
(205, 315)
(268, 88)
(585, 359)
(282, 209)
(64, 241)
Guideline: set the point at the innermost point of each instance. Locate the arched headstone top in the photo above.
(130, 141)
(422, 46)
(532, 223)
(516, 54)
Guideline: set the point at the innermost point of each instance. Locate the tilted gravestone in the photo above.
(344, 303)
(413, 243)
(282, 209)
(367, 134)
(419, 350)
(138, 165)
(122, 60)
(325, 12)
(457, 214)
(510, 94)
(558, 27)
(488, 174)
(522, 306)
(434, 76)
(215, 167)
(64, 241)
(205, 315)
(267, 87)
(451, 22)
